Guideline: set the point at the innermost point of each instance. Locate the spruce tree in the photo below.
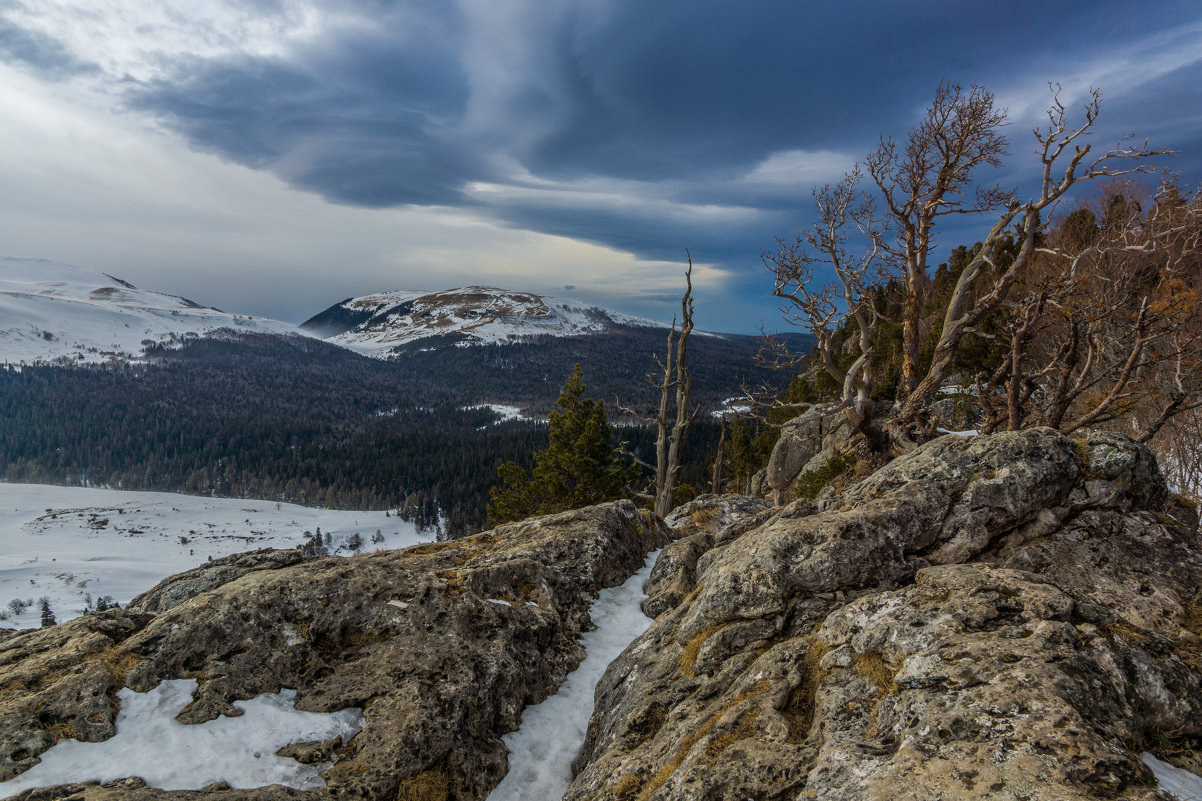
(47, 614)
(579, 467)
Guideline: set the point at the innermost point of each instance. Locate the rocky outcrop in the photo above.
(174, 590)
(698, 526)
(1000, 617)
(441, 645)
(806, 442)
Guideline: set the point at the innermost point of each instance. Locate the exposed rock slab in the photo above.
(1000, 617)
(413, 637)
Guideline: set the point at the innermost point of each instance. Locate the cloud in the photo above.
(631, 127)
(40, 53)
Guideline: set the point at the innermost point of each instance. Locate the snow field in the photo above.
(51, 311)
(542, 750)
(68, 543)
(170, 755)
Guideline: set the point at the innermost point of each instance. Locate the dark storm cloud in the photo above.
(685, 95)
(42, 54)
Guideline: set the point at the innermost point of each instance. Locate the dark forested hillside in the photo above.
(300, 420)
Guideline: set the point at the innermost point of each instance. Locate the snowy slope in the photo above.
(55, 312)
(377, 324)
(68, 543)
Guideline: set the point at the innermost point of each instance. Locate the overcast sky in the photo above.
(275, 156)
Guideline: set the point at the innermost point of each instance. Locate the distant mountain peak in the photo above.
(380, 323)
(52, 312)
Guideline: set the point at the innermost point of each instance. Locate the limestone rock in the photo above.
(699, 525)
(174, 590)
(410, 636)
(801, 439)
(980, 619)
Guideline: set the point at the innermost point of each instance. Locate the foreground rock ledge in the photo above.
(1004, 617)
(409, 636)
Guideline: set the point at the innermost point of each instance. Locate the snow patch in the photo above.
(970, 432)
(170, 755)
(542, 750)
(1176, 782)
(482, 315)
(504, 413)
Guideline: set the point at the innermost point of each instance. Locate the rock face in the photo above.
(1000, 617)
(415, 638)
(1003, 617)
(698, 526)
(806, 442)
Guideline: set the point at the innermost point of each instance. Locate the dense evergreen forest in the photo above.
(299, 420)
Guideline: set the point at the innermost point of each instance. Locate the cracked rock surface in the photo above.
(1000, 617)
(409, 636)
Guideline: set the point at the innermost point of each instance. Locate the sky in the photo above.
(273, 157)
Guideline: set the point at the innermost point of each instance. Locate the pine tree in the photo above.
(579, 467)
(47, 614)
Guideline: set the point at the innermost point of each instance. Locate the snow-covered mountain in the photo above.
(378, 324)
(51, 312)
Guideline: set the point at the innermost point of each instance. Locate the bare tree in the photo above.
(985, 283)
(824, 307)
(673, 420)
(932, 177)
(1106, 326)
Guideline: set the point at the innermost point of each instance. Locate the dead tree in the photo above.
(825, 307)
(1106, 326)
(673, 420)
(932, 177)
(986, 281)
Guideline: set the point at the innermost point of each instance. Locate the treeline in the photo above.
(271, 417)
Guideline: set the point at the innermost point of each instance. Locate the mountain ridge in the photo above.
(53, 312)
(381, 324)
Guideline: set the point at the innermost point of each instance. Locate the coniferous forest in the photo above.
(302, 421)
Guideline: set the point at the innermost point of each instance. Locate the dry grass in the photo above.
(456, 582)
(871, 666)
(745, 728)
(1193, 619)
(63, 731)
(627, 789)
(429, 785)
(703, 517)
(799, 712)
(1121, 632)
(686, 745)
(688, 660)
(121, 665)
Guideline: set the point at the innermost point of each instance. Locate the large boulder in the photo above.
(816, 431)
(441, 645)
(1000, 617)
(698, 526)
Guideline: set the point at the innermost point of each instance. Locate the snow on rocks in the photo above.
(167, 754)
(542, 750)
(1176, 782)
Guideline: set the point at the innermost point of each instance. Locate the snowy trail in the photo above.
(1176, 782)
(542, 750)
